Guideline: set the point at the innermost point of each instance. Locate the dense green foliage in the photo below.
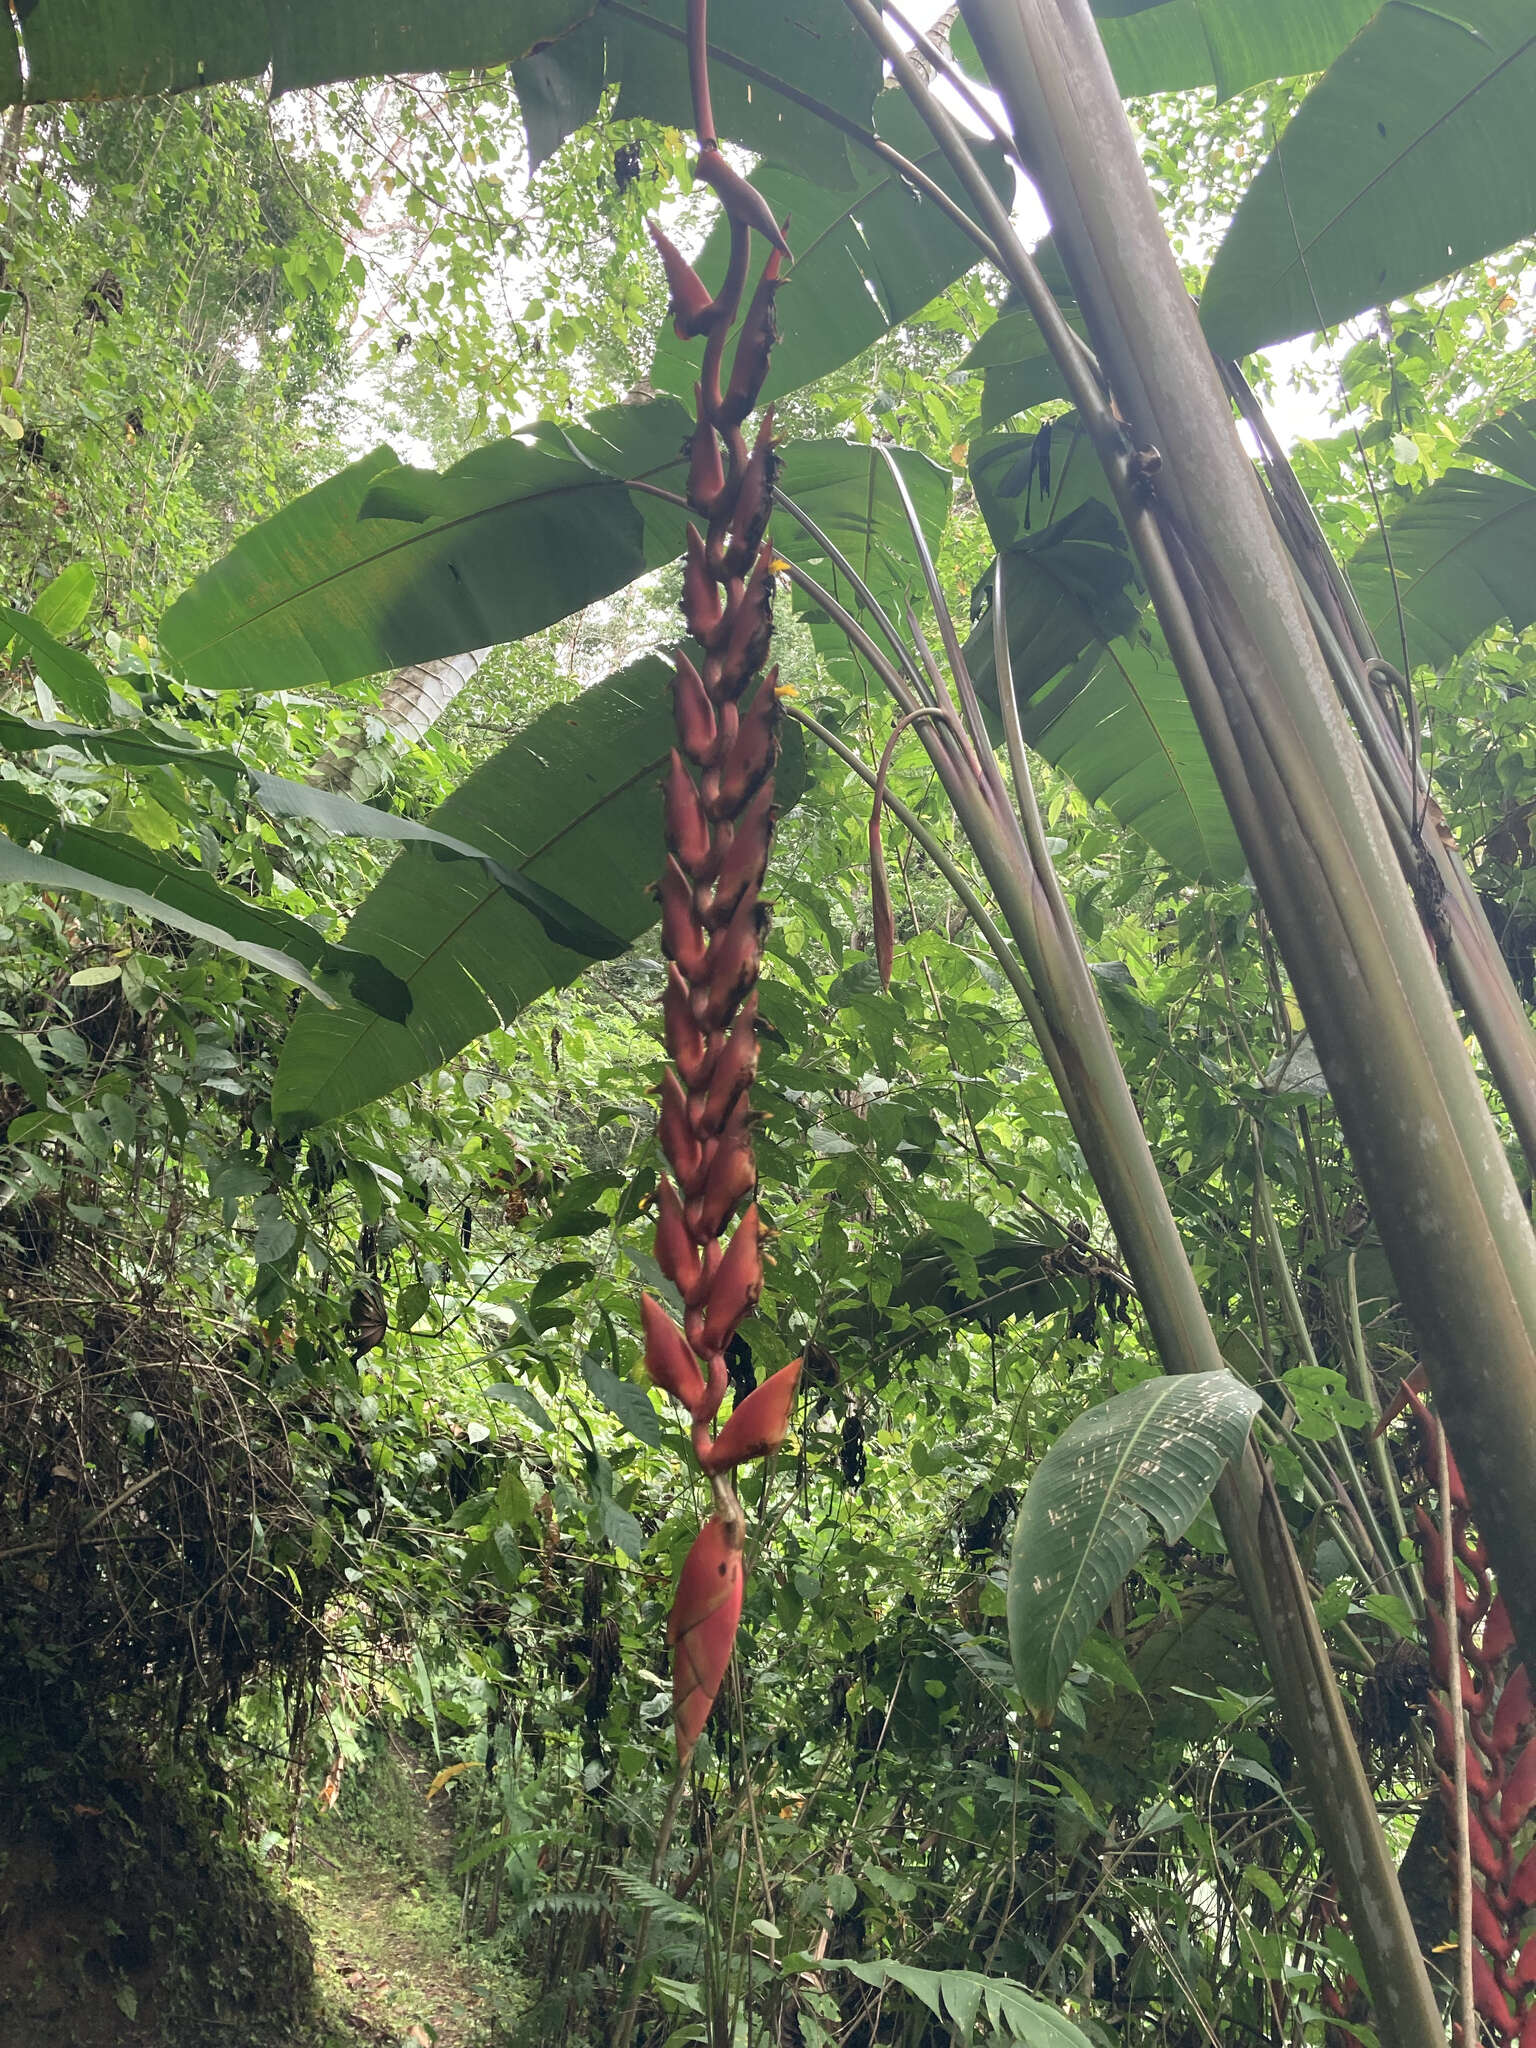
(319, 1378)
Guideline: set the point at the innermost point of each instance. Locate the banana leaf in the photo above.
(573, 803)
(1100, 697)
(1463, 553)
(121, 869)
(1413, 157)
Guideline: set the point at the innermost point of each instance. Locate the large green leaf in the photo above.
(102, 49)
(1155, 1451)
(848, 490)
(39, 871)
(1177, 45)
(571, 802)
(140, 746)
(956, 1997)
(62, 605)
(1230, 44)
(766, 57)
(561, 921)
(1020, 371)
(384, 566)
(122, 869)
(864, 260)
(852, 498)
(148, 746)
(68, 675)
(1413, 157)
(1463, 553)
(1100, 696)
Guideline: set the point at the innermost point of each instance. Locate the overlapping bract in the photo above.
(1501, 1762)
(719, 826)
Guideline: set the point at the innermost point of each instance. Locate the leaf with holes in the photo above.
(1153, 1452)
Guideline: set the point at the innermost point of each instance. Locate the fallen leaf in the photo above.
(452, 1771)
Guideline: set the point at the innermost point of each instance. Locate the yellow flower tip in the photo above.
(785, 690)
(778, 565)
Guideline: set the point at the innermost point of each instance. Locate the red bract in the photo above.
(668, 1359)
(757, 1426)
(1498, 1714)
(719, 826)
(702, 1627)
(693, 310)
(741, 202)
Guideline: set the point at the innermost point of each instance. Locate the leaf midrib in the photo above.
(1305, 247)
(1154, 1409)
(423, 531)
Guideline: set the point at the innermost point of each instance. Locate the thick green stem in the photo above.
(1425, 844)
(1425, 1144)
(1256, 1532)
(1058, 992)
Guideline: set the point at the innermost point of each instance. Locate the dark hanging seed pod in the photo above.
(851, 1455)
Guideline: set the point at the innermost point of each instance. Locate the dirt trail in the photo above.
(389, 1964)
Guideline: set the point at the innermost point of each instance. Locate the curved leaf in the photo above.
(957, 1996)
(1177, 45)
(62, 604)
(1020, 371)
(76, 49)
(20, 864)
(122, 869)
(572, 803)
(1463, 552)
(383, 566)
(849, 492)
(560, 921)
(69, 676)
(1413, 157)
(763, 54)
(139, 746)
(1230, 44)
(864, 260)
(1101, 697)
(1155, 1451)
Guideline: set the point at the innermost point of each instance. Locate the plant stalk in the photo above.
(1424, 1142)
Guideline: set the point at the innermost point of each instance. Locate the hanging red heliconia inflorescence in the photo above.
(1501, 1760)
(719, 827)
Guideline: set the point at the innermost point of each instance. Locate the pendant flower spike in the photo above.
(720, 816)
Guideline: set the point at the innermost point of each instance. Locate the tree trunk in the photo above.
(413, 700)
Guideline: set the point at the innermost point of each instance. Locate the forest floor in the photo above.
(374, 1883)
